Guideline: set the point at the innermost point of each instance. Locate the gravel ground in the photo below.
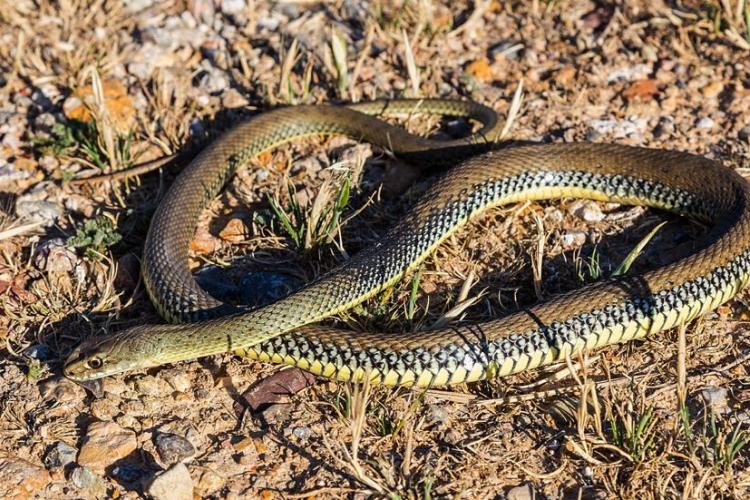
(87, 88)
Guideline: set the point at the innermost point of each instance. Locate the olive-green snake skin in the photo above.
(600, 314)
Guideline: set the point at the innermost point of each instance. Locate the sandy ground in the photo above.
(87, 88)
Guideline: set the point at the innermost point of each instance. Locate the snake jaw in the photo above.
(95, 359)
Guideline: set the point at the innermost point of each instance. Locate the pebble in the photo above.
(79, 204)
(233, 7)
(61, 390)
(21, 479)
(637, 72)
(209, 482)
(235, 231)
(42, 352)
(152, 386)
(213, 81)
(712, 90)
(43, 211)
(586, 210)
(716, 399)
(744, 134)
(277, 414)
(573, 239)
(619, 128)
(231, 98)
(203, 242)
(705, 123)
(173, 484)
(129, 473)
(134, 6)
(53, 256)
(173, 448)
(91, 484)
(437, 415)
(521, 492)
(9, 174)
(105, 443)
(178, 380)
(60, 455)
(261, 175)
(302, 433)
(664, 128)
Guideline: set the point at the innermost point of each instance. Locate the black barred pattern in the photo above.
(557, 335)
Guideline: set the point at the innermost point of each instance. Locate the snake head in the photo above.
(99, 357)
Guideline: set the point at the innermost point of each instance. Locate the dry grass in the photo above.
(628, 422)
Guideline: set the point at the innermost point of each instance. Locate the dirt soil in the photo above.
(94, 87)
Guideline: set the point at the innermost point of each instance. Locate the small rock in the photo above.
(209, 482)
(53, 256)
(705, 123)
(42, 352)
(263, 287)
(173, 448)
(233, 7)
(213, 81)
(436, 415)
(521, 492)
(37, 210)
(641, 90)
(744, 134)
(129, 473)
(231, 98)
(21, 479)
(60, 455)
(134, 6)
(302, 432)
(716, 399)
(105, 443)
(61, 391)
(664, 128)
(565, 76)
(636, 72)
(481, 70)
(277, 414)
(713, 89)
(573, 239)
(173, 484)
(261, 175)
(79, 204)
(9, 174)
(178, 380)
(203, 242)
(586, 210)
(235, 231)
(91, 484)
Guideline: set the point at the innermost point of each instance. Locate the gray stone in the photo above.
(53, 256)
(91, 484)
(716, 399)
(173, 484)
(173, 448)
(43, 211)
(521, 492)
(60, 455)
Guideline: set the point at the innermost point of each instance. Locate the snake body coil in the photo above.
(604, 313)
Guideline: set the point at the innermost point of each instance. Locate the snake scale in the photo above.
(603, 313)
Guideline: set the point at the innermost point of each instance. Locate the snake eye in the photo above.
(95, 363)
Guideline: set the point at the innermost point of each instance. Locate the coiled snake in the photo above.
(600, 314)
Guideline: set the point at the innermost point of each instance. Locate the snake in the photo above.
(482, 175)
